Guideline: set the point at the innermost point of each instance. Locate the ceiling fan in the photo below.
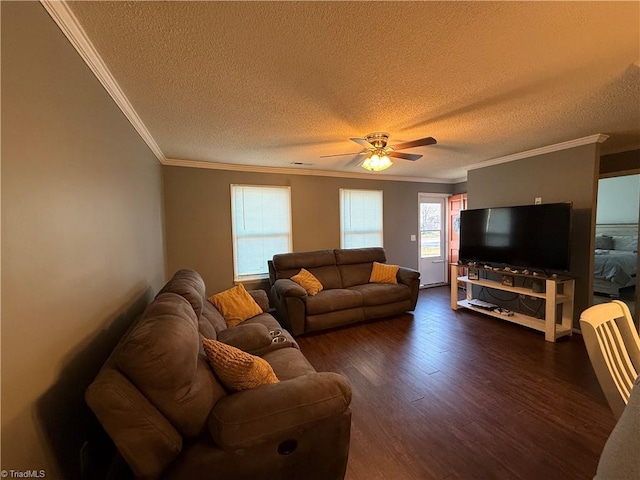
(378, 152)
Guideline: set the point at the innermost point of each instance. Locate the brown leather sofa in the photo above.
(170, 417)
(347, 296)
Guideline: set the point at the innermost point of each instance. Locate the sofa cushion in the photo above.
(321, 263)
(214, 317)
(265, 319)
(333, 300)
(328, 276)
(355, 264)
(190, 285)
(161, 358)
(382, 293)
(248, 337)
(383, 273)
(307, 281)
(355, 274)
(236, 305)
(261, 298)
(349, 256)
(288, 363)
(238, 370)
(296, 261)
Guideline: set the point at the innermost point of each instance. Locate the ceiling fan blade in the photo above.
(362, 142)
(415, 143)
(344, 154)
(405, 156)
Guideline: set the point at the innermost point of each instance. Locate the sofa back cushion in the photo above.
(321, 264)
(355, 264)
(163, 358)
(190, 285)
(211, 322)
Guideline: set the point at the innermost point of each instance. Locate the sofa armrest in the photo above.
(248, 337)
(288, 288)
(274, 411)
(407, 275)
(411, 278)
(261, 298)
(289, 300)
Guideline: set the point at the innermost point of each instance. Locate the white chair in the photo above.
(614, 350)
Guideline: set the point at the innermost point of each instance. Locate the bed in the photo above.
(616, 258)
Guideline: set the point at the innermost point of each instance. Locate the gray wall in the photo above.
(564, 176)
(82, 239)
(198, 217)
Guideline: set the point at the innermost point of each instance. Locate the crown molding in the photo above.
(68, 23)
(598, 138)
(174, 162)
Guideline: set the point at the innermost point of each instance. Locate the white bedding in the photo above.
(616, 266)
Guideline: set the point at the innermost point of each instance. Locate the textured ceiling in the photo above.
(271, 83)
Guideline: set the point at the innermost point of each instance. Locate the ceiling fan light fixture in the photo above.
(377, 163)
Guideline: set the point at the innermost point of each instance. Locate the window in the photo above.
(431, 234)
(360, 218)
(261, 227)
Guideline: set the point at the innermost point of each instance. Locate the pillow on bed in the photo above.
(604, 242)
(626, 243)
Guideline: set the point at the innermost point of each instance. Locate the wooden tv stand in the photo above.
(553, 296)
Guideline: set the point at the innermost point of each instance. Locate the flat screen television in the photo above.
(526, 236)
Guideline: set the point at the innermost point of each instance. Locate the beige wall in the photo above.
(82, 239)
(198, 217)
(565, 176)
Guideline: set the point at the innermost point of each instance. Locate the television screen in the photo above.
(527, 236)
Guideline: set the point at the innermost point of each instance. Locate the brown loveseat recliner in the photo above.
(347, 295)
(170, 417)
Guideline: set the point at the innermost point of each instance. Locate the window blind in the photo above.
(360, 218)
(261, 223)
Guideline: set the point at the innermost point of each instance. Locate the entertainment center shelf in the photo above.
(559, 291)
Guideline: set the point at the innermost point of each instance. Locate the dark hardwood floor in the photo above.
(439, 394)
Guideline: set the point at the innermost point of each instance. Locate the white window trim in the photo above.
(254, 277)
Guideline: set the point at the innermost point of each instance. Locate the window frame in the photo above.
(237, 278)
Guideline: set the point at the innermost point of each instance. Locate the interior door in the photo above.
(432, 254)
(457, 203)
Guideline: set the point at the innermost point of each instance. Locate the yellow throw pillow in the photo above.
(383, 273)
(235, 305)
(236, 369)
(307, 281)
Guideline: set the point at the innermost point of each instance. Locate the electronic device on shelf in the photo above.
(525, 236)
(482, 304)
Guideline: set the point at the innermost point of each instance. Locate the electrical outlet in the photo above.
(413, 238)
(538, 200)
